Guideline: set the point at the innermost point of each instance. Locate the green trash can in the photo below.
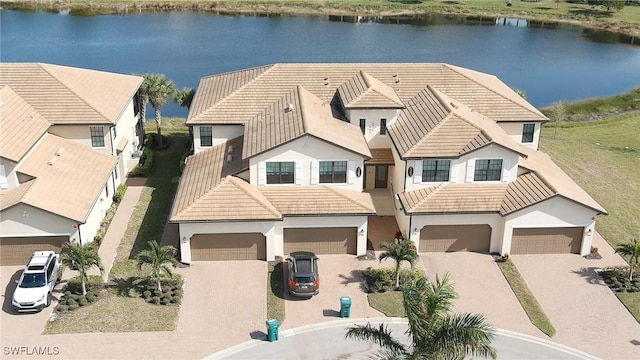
(272, 329)
(345, 307)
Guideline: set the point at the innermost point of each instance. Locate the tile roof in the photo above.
(454, 198)
(239, 96)
(68, 178)
(380, 157)
(365, 91)
(21, 126)
(69, 95)
(296, 114)
(318, 200)
(527, 190)
(204, 171)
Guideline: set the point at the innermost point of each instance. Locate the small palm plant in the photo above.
(399, 250)
(158, 89)
(81, 258)
(159, 259)
(630, 249)
(434, 332)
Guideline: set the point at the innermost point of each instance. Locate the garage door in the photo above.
(17, 250)
(440, 238)
(547, 240)
(341, 240)
(242, 246)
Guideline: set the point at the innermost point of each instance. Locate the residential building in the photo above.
(68, 137)
(295, 157)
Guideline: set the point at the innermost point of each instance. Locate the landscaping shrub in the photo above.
(177, 292)
(74, 285)
(413, 274)
(155, 300)
(82, 301)
(67, 293)
(73, 307)
(71, 302)
(91, 298)
(378, 279)
(146, 294)
(62, 308)
(119, 194)
(165, 301)
(176, 299)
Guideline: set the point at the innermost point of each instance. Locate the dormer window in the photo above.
(488, 170)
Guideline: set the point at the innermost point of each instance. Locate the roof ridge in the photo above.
(71, 90)
(486, 87)
(234, 181)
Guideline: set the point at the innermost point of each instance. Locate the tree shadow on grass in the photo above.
(163, 182)
(129, 287)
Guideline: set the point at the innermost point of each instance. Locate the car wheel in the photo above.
(48, 299)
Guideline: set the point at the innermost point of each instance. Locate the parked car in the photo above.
(303, 274)
(37, 281)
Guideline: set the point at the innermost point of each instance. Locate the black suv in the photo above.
(303, 274)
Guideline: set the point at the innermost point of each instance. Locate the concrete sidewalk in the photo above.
(119, 224)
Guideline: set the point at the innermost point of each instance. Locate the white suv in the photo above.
(37, 281)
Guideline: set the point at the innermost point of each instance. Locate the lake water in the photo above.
(549, 62)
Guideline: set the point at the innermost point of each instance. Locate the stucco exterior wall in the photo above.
(126, 128)
(493, 220)
(514, 129)
(304, 151)
(82, 135)
(24, 220)
(372, 129)
(9, 172)
(220, 134)
(554, 212)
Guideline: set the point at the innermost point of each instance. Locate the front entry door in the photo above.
(381, 176)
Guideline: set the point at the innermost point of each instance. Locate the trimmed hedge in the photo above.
(146, 162)
(382, 279)
(171, 291)
(119, 194)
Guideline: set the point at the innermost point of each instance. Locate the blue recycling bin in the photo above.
(272, 329)
(345, 307)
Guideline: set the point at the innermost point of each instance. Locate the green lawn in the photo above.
(529, 303)
(122, 310)
(603, 157)
(388, 303)
(275, 293)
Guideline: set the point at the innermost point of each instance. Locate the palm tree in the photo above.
(183, 97)
(434, 332)
(159, 89)
(81, 258)
(143, 95)
(159, 258)
(632, 250)
(399, 250)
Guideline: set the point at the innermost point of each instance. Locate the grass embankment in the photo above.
(603, 157)
(626, 21)
(524, 295)
(389, 303)
(275, 292)
(593, 109)
(122, 310)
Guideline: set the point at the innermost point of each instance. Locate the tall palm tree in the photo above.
(159, 89)
(184, 97)
(81, 258)
(143, 95)
(399, 250)
(631, 249)
(159, 259)
(434, 332)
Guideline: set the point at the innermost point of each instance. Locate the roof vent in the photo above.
(395, 75)
(52, 161)
(230, 149)
(229, 158)
(289, 108)
(453, 105)
(60, 151)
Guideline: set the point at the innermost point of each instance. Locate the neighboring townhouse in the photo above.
(303, 156)
(55, 189)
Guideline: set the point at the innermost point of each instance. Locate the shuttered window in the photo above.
(435, 170)
(488, 170)
(332, 172)
(280, 172)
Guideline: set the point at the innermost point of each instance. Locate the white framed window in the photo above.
(527, 133)
(363, 125)
(383, 126)
(206, 136)
(280, 172)
(435, 170)
(488, 170)
(97, 136)
(332, 172)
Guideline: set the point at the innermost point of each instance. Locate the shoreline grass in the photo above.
(626, 21)
(524, 295)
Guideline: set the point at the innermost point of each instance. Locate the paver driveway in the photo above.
(481, 288)
(585, 313)
(339, 276)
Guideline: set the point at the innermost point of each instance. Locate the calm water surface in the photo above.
(548, 64)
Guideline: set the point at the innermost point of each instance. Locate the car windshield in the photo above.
(33, 280)
(304, 279)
